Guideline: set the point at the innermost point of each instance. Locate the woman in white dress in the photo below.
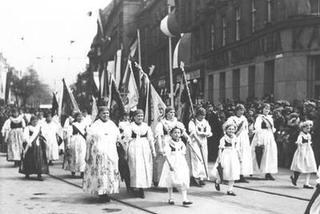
(161, 135)
(303, 160)
(50, 130)
(242, 133)
(175, 172)
(78, 145)
(12, 131)
(229, 157)
(140, 153)
(101, 175)
(200, 130)
(264, 147)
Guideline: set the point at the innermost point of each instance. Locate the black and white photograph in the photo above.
(160, 106)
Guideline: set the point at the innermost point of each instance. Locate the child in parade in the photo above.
(34, 160)
(264, 147)
(242, 133)
(229, 157)
(162, 131)
(175, 172)
(303, 160)
(140, 153)
(12, 131)
(77, 146)
(200, 130)
(50, 130)
(101, 175)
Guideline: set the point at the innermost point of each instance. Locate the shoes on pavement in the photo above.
(217, 186)
(40, 178)
(269, 177)
(186, 203)
(81, 174)
(195, 182)
(293, 181)
(202, 183)
(141, 193)
(242, 180)
(104, 198)
(231, 193)
(27, 176)
(171, 202)
(307, 186)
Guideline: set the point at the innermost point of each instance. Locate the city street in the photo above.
(59, 193)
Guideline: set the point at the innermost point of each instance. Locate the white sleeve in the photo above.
(192, 127)
(257, 124)
(221, 143)
(5, 127)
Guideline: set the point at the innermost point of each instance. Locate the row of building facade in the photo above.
(239, 48)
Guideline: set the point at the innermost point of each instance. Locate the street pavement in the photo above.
(60, 193)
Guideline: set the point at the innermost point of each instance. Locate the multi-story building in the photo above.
(118, 31)
(155, 45)
(252, 48)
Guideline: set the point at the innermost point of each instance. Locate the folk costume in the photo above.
(174, 153)
(101, 175)
(50, 130)
(303, 159)
(242, 133)
(264, 147)
(77, 147)
(12, 131)
(162, 136)
(34, 160)
(199, 132)
(140, 152)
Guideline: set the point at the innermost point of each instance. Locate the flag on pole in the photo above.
(55, 105)
(169, 25)
(94, 110)
(117, 74)
(131, 93)
(115, 102)
(69, 104)
(157, 107)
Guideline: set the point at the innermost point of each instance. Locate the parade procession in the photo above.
(160, 106)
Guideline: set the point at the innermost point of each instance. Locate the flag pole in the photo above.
(170, 62)
(139, 46)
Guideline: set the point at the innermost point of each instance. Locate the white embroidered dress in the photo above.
(101, 175)
(303, 160)
(264, 130)
(202, 130)
(140, 155)
(12, 131)
(244, 143)
(49, 132)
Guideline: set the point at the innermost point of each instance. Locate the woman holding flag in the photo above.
(101, 175)
(77, 145)
(264, 147)
(242, 133)
(140, 152)
(200, 130)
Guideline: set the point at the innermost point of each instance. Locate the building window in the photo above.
(212, 36)
(224, 29)
(251, 81)
(314, 77)
(269, 11)
(236, 84)
(269, 68)
(222, 86)
(237, 24)
(253, 15)
(210, 87)
(315, 7)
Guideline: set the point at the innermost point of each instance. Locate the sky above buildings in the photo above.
(35, 31)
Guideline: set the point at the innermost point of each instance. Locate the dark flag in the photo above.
(116, 105)
(55, 105)
(69, 104)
